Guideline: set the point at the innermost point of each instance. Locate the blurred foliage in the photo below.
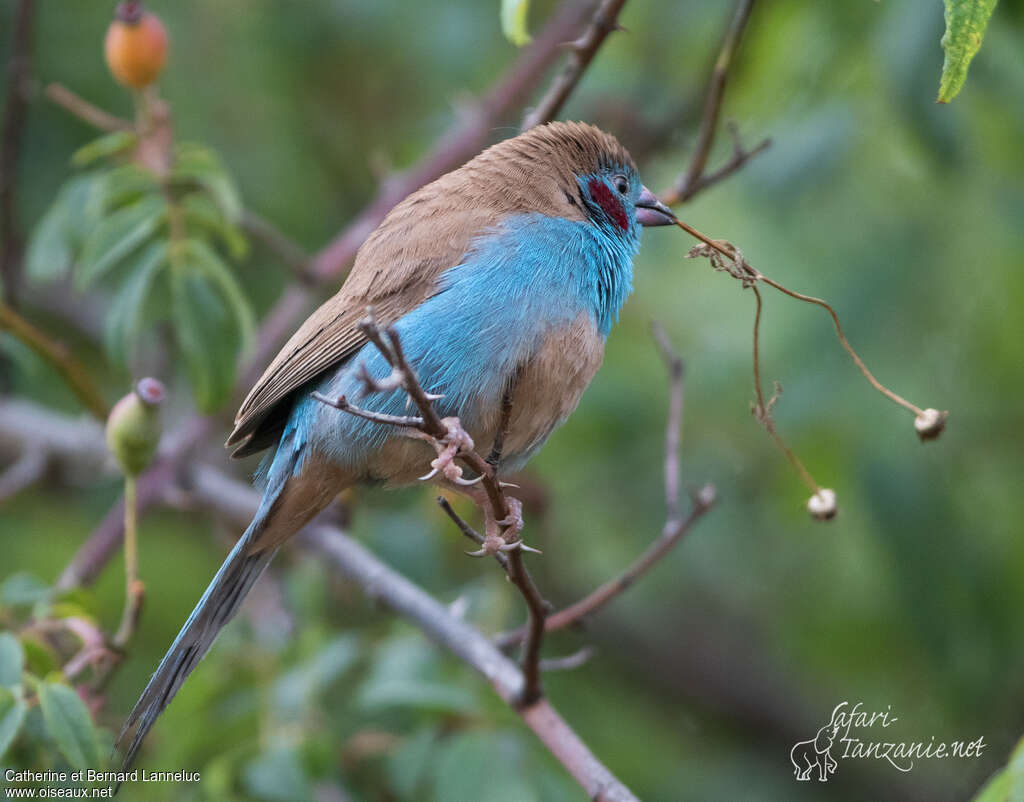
(1007, 785)
(906, 215)
(148, 238)
(514, 14)
(43, 721)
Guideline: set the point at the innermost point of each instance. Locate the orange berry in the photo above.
(135, 46)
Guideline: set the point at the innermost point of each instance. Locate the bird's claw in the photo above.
(518, 544)
(448, 448)
(493, 544)
(512, 524)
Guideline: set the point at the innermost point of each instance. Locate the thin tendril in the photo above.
(763, 412)
(758, 276)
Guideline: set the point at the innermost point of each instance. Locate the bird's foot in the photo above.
(502, 535)
(509, 527)
(448, 448)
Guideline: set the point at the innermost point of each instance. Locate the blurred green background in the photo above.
(907, 215)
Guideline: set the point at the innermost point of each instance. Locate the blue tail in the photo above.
(218, 605)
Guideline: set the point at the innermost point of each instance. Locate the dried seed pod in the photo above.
(822, 505)
(930, 423)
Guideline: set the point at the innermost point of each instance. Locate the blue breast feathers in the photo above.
(532, 274)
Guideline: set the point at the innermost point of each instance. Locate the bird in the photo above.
(502, 278)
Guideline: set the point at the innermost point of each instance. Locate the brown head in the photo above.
(562, 169)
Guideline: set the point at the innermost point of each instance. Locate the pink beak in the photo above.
(652, 212)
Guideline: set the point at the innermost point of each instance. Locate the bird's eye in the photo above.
(621, 184)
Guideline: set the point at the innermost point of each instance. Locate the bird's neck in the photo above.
(577, 266)
(609, 280)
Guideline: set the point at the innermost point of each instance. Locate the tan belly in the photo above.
(550, 386)
(547, 391)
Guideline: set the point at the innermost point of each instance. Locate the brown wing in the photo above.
(396, 270)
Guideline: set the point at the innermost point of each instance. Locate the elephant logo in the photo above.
(814, 754)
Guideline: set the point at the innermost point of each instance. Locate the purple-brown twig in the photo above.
(695, 177)
(676, 526)
(582, 51)
(452, 443)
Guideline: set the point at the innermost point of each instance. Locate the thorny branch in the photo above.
(676, 525)
(451, 442)
(582, 51)
(468, 530)
(695, 177)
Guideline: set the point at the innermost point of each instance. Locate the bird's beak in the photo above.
(652, 212)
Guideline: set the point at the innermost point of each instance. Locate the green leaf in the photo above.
(120, 233)
(513, 21)
(1007, 784)
(48, 256)
(23, 589)
(997, 789)
(106, 145)
(207, 337)
(278, 774)
(407, 766)
(198, 164)
(200, 211)
(69, 724)
(12, 660)
(406, 673)
(125, 184)
(434, 697)
(204, 259)
(124, 318)
(57, 234)
(966, 21)
(81, 599)
(12, 714)
(482, 765)
(86, 207)
(61, 610)
(300, 687)
(40, 659)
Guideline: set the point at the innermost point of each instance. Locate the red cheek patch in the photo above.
(606, 199)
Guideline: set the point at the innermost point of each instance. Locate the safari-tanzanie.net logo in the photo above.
(854, 733)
